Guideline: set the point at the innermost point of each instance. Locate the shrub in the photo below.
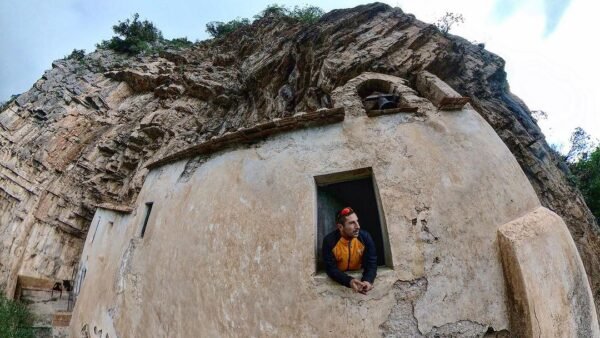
(445, 23)
(218, 29)
(178, 43)
(306, 14)
(273, 10)
(15, 319)
(76, 54)
(133, 36)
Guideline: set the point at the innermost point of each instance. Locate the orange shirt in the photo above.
(348, 254)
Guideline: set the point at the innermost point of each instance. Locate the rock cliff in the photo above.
(83, 134)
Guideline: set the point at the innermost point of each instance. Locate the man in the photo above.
(348, 248)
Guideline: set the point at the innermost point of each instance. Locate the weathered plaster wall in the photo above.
(550, 294)
(102, 257)
(229, 247)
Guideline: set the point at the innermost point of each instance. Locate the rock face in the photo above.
(84, 133)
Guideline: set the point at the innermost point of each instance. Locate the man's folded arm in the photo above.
(369, 259)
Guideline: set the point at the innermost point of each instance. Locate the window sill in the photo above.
(384, 281)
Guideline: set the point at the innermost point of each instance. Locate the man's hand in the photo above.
(357, 285)
(366, 287)
(361, 287)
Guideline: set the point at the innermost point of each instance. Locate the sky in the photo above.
(548, 45)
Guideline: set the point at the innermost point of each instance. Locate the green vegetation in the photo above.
(587, 178)
(307, 14)
(76, 54)
(133, 36)
(15, 319)
(178, 43)
(217, 29)
(583, 159)
(136, 36)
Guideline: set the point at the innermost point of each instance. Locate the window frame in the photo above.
(325, 179)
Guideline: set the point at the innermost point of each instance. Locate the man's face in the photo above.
(350, 227)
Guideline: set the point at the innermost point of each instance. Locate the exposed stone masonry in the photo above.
(256, 133)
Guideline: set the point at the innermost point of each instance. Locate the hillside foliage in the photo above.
(15, 319)
(136, 36)
(587, 178)
(583, 159)
(306, 14)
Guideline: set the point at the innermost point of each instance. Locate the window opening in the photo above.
(80, 280)
(148, 211)
(378, 94)
(96, 229)
(356, 189)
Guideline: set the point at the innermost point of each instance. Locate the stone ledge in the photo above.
(114, 207)
(384, 282)
(255, 133)
(439, 92)
(379, 112)
(61, 319)
(35, 283)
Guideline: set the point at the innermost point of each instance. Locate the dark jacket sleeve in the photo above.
(369, 258)
(330, 265)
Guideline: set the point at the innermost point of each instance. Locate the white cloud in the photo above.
(556, 73)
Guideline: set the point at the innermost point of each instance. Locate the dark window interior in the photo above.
(354, 189)
(146, 217)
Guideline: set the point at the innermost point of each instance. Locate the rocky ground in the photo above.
(83, 134)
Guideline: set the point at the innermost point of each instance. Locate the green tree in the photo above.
(133, 36)
(581, 145)
(15, 319)
(587, 174)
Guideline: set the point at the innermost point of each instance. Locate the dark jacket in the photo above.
(369, 260)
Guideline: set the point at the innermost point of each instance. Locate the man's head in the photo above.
(347, 223)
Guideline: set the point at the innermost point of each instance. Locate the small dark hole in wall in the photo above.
(355, 189)
(96, 228)
(146, 217)
(374, 85)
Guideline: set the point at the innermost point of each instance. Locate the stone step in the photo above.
(61, 319)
